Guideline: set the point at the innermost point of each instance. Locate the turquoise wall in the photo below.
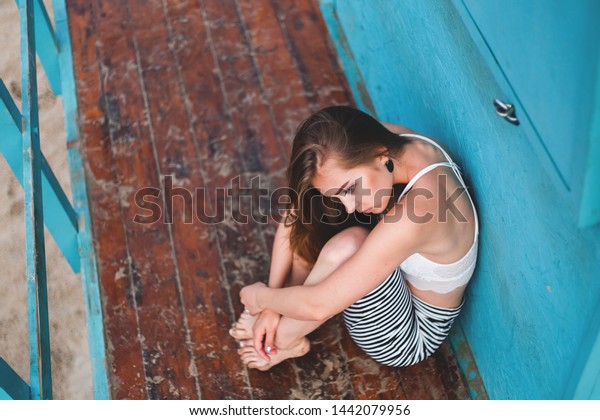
(530, 305)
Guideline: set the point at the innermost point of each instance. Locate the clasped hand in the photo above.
(266, 324)
(249, 297)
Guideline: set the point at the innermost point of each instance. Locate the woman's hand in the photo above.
(264, 333)
(249, 297)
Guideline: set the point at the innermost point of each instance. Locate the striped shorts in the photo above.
(396, 328)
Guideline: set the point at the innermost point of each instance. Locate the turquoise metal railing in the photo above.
(45, 201)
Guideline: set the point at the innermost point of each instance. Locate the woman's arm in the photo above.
(281, 257)
(265, 327)
(384, 249)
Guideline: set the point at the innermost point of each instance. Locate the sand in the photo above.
(71, 369)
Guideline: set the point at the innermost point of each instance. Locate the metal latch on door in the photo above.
(506, 111)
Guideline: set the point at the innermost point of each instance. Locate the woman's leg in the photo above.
(290, 338)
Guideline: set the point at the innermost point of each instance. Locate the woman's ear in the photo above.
(382, 154)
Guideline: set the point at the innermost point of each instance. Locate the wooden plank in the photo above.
(279, 75)
(423, 381)
(371, 380)
(322, 79)
(254, 131)
(156, 292)
(247, 141)
(450, 374)
(323, 372)
(124, 350)
(205, 298)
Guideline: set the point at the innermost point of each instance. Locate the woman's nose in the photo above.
(349, 203)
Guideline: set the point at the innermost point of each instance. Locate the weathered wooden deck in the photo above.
(205, 90)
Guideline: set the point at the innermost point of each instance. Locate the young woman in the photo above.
(399, 280)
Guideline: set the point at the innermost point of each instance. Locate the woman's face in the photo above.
(364, 188)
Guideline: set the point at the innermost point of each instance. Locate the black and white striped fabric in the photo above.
(395, 327)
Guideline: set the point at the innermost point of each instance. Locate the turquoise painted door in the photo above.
(544, 49)
(547, 55)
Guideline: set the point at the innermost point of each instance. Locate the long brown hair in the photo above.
(355, 138)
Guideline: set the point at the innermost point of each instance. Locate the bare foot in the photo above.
(242, 329)
(253, 360)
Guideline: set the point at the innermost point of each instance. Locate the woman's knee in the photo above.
(344, 244)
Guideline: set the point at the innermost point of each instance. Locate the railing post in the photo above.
(37, 295)
(89, 269)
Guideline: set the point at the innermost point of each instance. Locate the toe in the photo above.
(235, 333)
(246, 350)
(259, 365)
(248, 359)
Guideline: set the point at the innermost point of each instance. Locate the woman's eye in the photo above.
(350, 190)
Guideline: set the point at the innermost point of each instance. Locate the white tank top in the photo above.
(425, 274)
